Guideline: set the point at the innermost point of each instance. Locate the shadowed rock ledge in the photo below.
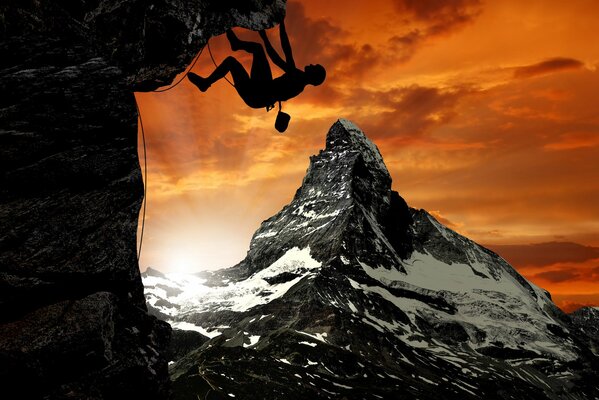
(73, 317)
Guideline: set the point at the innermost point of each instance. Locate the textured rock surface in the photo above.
(349, 293)
(586, 320)
(70, 182)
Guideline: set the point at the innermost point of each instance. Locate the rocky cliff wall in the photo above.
(71, 301)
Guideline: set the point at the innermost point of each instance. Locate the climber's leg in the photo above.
(260, 66)
(229, 65)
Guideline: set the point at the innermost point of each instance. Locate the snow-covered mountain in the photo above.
(347, 293)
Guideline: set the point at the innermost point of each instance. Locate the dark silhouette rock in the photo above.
(71, 187)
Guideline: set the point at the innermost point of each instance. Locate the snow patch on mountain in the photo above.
(186, 326)
(490, 301)
(193, 295)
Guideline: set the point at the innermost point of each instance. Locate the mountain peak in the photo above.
(350, 166)
(346, 193)
(345, 135)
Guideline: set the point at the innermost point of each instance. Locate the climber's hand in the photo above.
(270, 107)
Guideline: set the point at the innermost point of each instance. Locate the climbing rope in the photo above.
(145, 182)
(143, 137)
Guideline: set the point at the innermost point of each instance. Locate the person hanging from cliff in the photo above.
(259, 89)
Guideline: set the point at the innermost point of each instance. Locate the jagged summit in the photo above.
(348, 156)
(349, 293)
(344, 135)
(345, 196)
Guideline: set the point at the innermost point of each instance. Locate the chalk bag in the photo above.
(282, 121)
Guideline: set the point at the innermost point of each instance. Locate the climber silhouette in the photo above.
(259, 89)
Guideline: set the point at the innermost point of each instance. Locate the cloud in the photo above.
(544, 254)
(549, 66)
(429, 19)
(347, 56)
(313, 40)
(560, 275)
(406, 113)
(442, 219)
(422, 106)
(440, 12)
(574, 141)
(572, 302)
(318, 41)
(517, 183)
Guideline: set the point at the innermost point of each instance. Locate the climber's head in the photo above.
(315, 74)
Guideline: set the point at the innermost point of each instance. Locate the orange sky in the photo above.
(485, 112)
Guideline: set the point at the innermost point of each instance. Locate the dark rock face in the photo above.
(85, 348)
(347, 293)
(586, 321)
(70, 182)
(183, 342)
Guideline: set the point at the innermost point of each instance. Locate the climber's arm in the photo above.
(272, 53)
(286, 45)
